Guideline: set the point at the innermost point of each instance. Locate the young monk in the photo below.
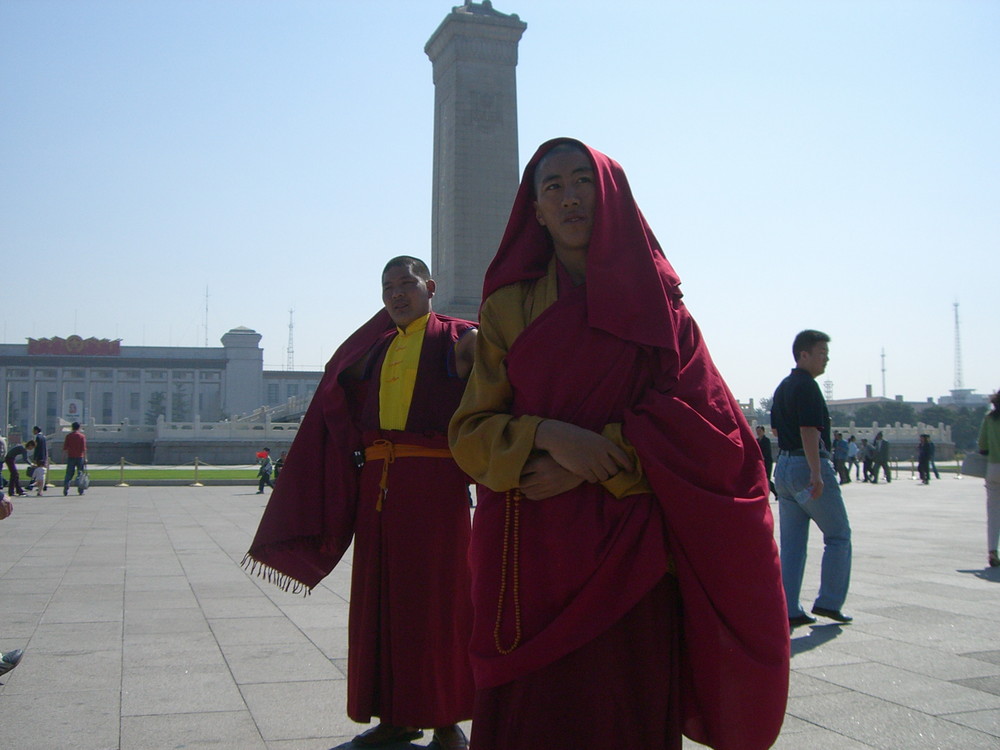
(626, 583)
(387, 396)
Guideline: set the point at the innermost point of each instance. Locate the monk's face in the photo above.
(405, 295)
(566, 197)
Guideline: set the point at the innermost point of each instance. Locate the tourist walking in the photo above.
(40, 459)
(852, 457)
(764, 441)
(75, 448)
(989, 445)
(867, 455)
(880, 459)
(840, 451)
(808, 490)
(925, 450)
(265, 470)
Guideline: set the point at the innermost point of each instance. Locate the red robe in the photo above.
(410, 611)
(623, 348)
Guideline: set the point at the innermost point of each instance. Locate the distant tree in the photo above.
(762, 411)
(180, 404)
(934, 415)
(156, 407)
(965, 427)
(885, 413)
(964, 422)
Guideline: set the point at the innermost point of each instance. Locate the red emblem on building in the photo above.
(76, 345)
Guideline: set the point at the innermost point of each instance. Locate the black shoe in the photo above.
(802, 619)
(65, 491)
(833, 614)
(386, 734)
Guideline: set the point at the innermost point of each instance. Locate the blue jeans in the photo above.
(73, 465)
(791, 475)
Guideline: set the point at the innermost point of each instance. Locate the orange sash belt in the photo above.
(387, 452)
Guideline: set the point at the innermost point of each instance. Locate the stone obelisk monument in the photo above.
(474, 54)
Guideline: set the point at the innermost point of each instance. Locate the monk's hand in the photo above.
(590, 456)
(542, 478)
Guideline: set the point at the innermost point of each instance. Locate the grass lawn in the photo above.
(185, 474)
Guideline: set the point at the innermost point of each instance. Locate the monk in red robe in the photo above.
(626, 583)
(386, 399)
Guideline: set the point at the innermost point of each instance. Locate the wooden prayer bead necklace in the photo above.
(511, 547)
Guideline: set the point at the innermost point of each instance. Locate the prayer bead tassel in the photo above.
(511, 551)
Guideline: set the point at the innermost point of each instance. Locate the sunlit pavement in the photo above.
(141, 631)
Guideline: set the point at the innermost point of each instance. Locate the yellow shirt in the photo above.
(399, 375)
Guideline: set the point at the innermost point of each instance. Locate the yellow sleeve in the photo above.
(625, 483)
(488, 443)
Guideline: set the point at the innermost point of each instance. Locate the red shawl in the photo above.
(309, 520)
(697, 452)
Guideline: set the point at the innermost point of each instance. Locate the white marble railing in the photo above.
(196, 430)
(294, 405)
(902, 433)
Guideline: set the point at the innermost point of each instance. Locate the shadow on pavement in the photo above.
(987, 574)
(817, 636)
(394, 746)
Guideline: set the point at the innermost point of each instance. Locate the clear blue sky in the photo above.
(833, 165)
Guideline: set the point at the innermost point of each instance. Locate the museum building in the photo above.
(99, 380)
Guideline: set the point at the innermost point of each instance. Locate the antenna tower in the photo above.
(290, 364)
(883, 372)
(958, 351)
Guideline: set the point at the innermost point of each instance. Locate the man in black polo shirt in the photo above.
(807, 485)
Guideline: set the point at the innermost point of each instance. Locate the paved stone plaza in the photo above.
(141, 631)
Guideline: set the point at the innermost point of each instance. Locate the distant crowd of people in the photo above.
(865, 460)
(35, 453)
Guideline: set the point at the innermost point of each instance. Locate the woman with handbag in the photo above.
(989, 445)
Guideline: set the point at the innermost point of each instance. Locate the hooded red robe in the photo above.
(561, 577)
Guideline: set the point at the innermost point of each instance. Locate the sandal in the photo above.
(449, 738)
(386, 734)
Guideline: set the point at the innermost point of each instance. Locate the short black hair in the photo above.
(75, 426)
(417, 267)
(36, 428)
(559, 148)
(806, 340)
